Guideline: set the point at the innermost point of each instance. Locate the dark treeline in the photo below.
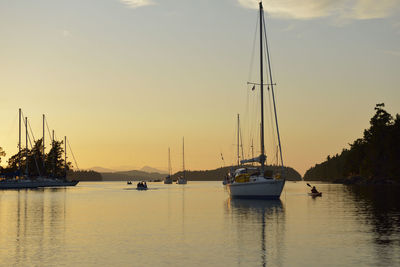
(220, 173)
(374, 158)
(207, 175)
(32, 163)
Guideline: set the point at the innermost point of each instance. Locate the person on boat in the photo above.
(314, 190)
(145, 185)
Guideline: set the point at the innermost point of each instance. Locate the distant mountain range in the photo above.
(101, 169)
(134, 175)
(126, 169)
(151, 169)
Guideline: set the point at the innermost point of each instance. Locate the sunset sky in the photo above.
(126, 79)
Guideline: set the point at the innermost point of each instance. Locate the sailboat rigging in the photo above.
(250, 182)
(183, 180)
(30, 179)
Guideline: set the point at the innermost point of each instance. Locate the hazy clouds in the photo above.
(136, 3)
(308, 9)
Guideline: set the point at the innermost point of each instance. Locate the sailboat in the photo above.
(27, 181)
(168, 179)
(250, 182)
(183, 180)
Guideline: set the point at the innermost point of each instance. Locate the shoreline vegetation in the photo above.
(371, 160)
(135, 175)
(33, 163)
(52, 164)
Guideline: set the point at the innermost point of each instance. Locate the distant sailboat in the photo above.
(239, 144)
(250, 182)
(183, 180)
(168, 179)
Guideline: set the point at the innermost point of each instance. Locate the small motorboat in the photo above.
(128, 182)
(141, 186)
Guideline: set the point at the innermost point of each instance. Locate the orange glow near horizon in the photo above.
(124, 84)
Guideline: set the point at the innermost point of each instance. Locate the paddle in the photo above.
(309, 185)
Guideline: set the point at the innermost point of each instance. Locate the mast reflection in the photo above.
(39, 217)
(259, 222)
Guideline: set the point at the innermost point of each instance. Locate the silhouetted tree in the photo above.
(2, 153)
(30, 161)
(375, 156)
(54, 162)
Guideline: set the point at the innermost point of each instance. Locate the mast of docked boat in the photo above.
(44, 169)
(262, 158)
(19, 144)
(238, 125)
(169, 163)
(183, 157)
(241, 141)
(273, 94)
(65, 157)
(54, 158)
(26, 145)
(252, 150)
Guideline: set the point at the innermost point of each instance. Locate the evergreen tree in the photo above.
(375, 156)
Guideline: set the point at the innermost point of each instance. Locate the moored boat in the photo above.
(38, 180)
(182, 180)
(168, 179)
(246, 182)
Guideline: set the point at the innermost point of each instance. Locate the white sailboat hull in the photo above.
(181, 181)
(260, 188)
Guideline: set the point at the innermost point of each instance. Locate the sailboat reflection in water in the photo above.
(261, 226)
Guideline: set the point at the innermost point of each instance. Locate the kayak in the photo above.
(319, 194)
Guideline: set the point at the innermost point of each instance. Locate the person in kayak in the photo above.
(314, 190)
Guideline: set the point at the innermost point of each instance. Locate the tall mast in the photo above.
(238, 125)
(262, 158)
(26, 144)
(19, 144)
(43, 142)
(252, 150)
(241, 145)
(169, 163)
(273, 99)
(54, 155)
(183, 156)
(65, 155)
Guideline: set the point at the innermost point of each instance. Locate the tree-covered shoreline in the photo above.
(32, 162)
(372, 159)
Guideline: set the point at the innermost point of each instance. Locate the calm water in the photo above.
(108, 223)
